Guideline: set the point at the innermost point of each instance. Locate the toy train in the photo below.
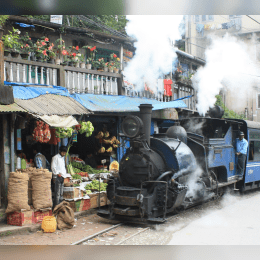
(192, 162)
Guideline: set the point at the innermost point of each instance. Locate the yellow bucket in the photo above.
(49, 224)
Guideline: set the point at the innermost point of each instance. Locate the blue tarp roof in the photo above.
(122, 103)
(96, 103)
(22, 92)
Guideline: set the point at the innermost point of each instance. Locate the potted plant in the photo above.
(82, 60)
(91, 55)
(111, 66)
(89, 63)
(116, 62)
(11, 42)
(41, 48)
(3, 18)
(51, 53)
(95, 64)
(26, 46)
(101, 64)
(60, 50)
(106, 67)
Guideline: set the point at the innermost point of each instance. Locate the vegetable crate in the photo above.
(80, 205)
(94, 199)
(20, 218)
(71, 192)
(38, 215)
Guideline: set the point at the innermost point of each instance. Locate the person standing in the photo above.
(241, 152)
(59, 173)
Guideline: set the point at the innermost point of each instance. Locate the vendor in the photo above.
(90, 160)
(39, 159)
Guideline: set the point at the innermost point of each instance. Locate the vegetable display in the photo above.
(64, 132)
(94, 185)
(77, 177)
(86, 127)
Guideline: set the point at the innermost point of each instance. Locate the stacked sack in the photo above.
(29, 171)
(17, 192)
(41, 189)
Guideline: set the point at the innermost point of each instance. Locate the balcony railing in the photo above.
(78, 80)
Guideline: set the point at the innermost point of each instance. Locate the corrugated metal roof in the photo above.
(11, 108)
(106, 103)
(51, 104)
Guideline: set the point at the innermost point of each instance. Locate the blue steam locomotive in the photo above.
(193, 161)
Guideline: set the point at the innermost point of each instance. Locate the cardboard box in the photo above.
(94, 199)
(71, 192)
(20, 218)
(80, 205)
(38, 215)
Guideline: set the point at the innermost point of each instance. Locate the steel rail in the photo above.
(96, 234)
(132, 236)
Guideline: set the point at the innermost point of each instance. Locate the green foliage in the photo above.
(3, 18)
(11, 40)
(228, 113)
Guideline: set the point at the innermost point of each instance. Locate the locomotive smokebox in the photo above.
(216, 112)
(146, 115)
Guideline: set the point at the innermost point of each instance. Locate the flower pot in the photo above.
(83, 65)
(111, 69)
(57, 61)
(33, 57)
(88, 66)
(14, 54)
(106, 69)
(116, 70)
(24, 56)
(6, 53)
(76, 64)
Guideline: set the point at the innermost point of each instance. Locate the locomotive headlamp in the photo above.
(132, 126)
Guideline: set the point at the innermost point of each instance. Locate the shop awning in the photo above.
(59, 121)
(11, 108)
(103, 103)
(51, 104)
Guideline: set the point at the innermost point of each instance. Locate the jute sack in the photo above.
(17, 192)
(65, 215)
(41, 192)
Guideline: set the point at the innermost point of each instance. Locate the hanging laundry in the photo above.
(207, 27)
(219, 26)
(212, 27)
(229, 25)
(168, 87)
(224, 26)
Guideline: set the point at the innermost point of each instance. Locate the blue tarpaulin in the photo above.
(96, 103)
(122, 103)
(24, 91)
(24, 25)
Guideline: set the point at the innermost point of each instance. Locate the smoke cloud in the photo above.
(154, 54)
(230, 64)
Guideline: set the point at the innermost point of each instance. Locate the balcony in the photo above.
(82, 81)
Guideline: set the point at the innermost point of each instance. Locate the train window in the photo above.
(254, 151)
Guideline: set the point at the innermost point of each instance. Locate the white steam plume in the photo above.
(229, 64)
(154, 54)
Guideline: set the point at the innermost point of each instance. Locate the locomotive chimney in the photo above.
(146, 115)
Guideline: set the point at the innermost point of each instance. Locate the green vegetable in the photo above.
(94, 185)
(76, 177)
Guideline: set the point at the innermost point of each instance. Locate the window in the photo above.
(211, 17)
(254, 151)
(197, 18)
(204, 18)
